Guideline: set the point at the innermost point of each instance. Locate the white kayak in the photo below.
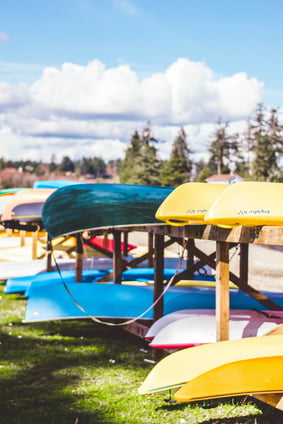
(30, 267)
(192, 327)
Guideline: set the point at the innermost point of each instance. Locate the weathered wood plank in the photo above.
(266, 235)
(158, 276)
(79, 257)
(222, 298)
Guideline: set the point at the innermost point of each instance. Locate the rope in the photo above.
(130, 321)
(236, 249)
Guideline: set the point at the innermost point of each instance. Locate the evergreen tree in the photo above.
(177, 169)
(52, 167)
(266, 133)
(202, 171)
(93, 166)
(128, 167)
(140, 165)
(222, 149)
(67, 165)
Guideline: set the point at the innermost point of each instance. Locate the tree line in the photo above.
(255, 154)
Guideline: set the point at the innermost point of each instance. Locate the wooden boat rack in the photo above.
(161, 236)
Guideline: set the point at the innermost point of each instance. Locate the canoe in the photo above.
(111, 300)
(26, 205)
(185, 365)
(54, 183)
(141, 276)
(245, 377)
(11, 191)
(5, 197)
(188, 203)
(248, 204)
(104, 300)
(193, 327)
(81, 207)
(23, 284)
(14, 270)
(108, 244)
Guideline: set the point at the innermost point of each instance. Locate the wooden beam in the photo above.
(244, 263)
(117, 258)
(150, 250)
(158, 276)
(99, 249)
(126, 243)
(105, 239)
(49, 255)
(190, 260)
(265, 235)
(34, 244)
(79, 257)
(260, 297)
(273, 399)
(222, 298)
(22, 238)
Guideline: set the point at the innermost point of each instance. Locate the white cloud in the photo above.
(12, 97)
(99, 108)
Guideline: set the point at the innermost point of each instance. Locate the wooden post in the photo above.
(222, 291)
(158, 275)
(49, 254)
(190, 260)
(244, 263)
(79, 258)
(126, 243)
(22, 238)
(34, 244)
(117, 257)
(105, 239)
(150, 247)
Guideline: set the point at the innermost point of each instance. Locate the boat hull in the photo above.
(81, 207)
(246, 377)
(185, 365)
(194, 327)
(53, 301)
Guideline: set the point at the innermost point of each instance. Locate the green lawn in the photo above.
(79, 372)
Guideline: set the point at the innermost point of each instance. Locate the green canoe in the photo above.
(81, 207)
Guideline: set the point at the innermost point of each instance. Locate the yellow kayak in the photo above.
(250, 376)
(185, 365)
(248, 204)
(188, 203)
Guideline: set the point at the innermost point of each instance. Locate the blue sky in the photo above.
(150, 60)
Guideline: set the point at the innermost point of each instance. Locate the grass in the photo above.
(79, 372)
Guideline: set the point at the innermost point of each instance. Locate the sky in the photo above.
(79, 77)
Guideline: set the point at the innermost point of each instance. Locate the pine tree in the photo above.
(267, 145)
(67, 165)
(222, 149)
(141, 165)
(177, 169)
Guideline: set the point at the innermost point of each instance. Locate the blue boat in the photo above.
(54, 183)
(143, 274)
(22, 284)
(123, 301)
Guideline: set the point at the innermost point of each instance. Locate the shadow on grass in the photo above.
(38, 372)
(269, 414)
